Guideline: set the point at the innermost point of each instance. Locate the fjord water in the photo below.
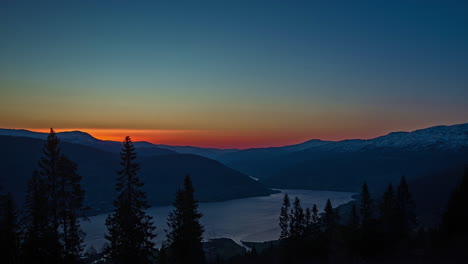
(252, 219)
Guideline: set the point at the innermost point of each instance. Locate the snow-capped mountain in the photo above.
(440, 138)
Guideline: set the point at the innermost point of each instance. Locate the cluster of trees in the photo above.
(48, 231)
(383, 230)
(131, 231)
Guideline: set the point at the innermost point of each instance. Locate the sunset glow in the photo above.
(232, 75)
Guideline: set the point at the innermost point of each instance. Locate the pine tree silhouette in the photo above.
(366, 207)
(130, 229)
(185, 231)
(406, 215)
(329, 218)
(70, 207)
(388, 211)
(284, 217)
(48, 169)
(48, 165)
(353, 221)
(297, 220)
(40, 239)
(368, 235)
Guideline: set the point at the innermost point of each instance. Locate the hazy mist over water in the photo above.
(250, 219)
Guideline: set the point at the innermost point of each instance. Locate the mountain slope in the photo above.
(314, 163)
(82, 138)
(162, 174)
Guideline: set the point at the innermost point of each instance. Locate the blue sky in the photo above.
(292, 69)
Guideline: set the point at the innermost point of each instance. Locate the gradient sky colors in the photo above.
(233, 73)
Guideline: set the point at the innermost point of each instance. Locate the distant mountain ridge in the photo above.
(162, 174)
(432, 159)
(453, 137)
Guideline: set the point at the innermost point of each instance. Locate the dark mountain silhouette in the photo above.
(161, 174)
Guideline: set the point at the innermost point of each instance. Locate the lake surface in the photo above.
(252, 219)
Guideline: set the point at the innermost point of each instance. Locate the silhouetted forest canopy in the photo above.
(375, 228)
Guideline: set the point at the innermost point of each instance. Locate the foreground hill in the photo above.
(162, 174)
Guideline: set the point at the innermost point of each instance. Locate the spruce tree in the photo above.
(368, 246)
(70, 206)
(130, 229)
(366, 207)
(185, 231)
(48, 165)
(297, 220)
(329, 217)
(353, 222)
(314, 222)
(284, 217)
(406, 215)
(388, 210)
(308, 218)
(40, 240)
(9, 242)
(315, 214)
(48, 169)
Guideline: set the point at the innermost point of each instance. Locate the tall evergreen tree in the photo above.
(48, 169)
(406, 215)
(9, 242)
(308, 218)
(70, 206)
(388, 210)
(368, 245)
(297, 220)
(130, 229)
(284, 217)
(329, 217)
(185, 231)
(315, 214)
(40, 241)
(366, 207)
(353, 221)
(48, 165)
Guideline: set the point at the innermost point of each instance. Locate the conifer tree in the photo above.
(185, 231)
(315, 214)
(70, 206)
(353, 222)
(297, 220)
(388, 210)
(329, 217)
(308, 218)
(48, 165)
(368, 234)
(315, 227)
(48, 169)
(40, 240)
(406, 215)
(130, 229)
(284, 217)
(9, 242)
(366, 208)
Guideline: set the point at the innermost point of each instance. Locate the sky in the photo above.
(233, 73)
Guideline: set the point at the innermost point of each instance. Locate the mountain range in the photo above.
(162, 171)
(426, 156)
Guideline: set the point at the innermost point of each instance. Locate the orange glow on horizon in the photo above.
(202, 138)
